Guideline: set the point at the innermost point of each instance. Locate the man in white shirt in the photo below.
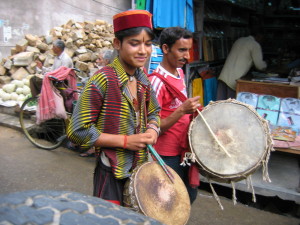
(105, 57)
(245, 52)
(61, 59)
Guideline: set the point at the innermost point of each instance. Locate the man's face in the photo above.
(134, 51)
(100, 61)
(56, 50)
(178, 54)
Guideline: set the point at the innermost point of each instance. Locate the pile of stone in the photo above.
(83, 40)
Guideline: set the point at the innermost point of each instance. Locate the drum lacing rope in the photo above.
(215, 195)
(265, 163)
(233, 192)
(269, 149)
(265, 171)
(249, 184)
(188, 156)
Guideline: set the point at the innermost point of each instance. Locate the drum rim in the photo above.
(135, 188)
(241, 175)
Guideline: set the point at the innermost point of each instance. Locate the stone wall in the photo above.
(83, 41)
(38, 17)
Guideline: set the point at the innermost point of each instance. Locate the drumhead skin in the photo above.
(242, 132)
(151, 192)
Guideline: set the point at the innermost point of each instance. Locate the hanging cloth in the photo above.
(48, 99)
(198, 89)
(210, 86)
(210, 90)
(172, 13)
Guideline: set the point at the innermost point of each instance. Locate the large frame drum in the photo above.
(150, 192)
(241, 131)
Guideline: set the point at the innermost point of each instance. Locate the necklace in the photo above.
(131, 77)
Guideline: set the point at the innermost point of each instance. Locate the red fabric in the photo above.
(175, 92)
(194, 176)
(46, 104)
(194, 179)
(114, 201)
(132, 18)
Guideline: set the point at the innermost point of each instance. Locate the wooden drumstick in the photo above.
(212, 133)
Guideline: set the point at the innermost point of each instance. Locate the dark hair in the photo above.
(255, 31)
(59, 43)
(171, 34)
(133, 31)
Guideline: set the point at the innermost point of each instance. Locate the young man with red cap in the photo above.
(117, 111)
(168, 83)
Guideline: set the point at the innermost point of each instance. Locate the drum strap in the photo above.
(171, 88)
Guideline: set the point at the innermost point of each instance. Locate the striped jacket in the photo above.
(105, 106)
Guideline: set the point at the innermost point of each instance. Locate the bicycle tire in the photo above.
(48, 135)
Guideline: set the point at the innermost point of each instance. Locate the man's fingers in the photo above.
(196, 98)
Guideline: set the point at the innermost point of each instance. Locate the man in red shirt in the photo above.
(175, 43)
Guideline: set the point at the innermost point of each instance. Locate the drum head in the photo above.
(158, 197)
(239, 129)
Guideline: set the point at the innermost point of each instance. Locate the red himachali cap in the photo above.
(132, 18)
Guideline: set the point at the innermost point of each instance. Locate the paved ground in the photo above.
(24, 167)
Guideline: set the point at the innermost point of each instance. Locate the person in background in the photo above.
(61, 59)
(105, 57)
(171, 145)
(117, 111)
(245, 52)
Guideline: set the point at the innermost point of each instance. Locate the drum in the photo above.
(150, 192)
(240, 130)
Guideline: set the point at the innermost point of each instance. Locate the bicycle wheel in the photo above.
(48, 135)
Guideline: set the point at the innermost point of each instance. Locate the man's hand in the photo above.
(190, 105)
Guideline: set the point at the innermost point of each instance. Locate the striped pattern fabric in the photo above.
(105, 106)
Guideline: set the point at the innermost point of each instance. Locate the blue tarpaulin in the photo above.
(172, 13)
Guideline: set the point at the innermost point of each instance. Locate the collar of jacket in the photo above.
(123, 77)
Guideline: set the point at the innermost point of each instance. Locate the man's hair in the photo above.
(107, 54)
(133, 31)
(60, 44)
(171, 34)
